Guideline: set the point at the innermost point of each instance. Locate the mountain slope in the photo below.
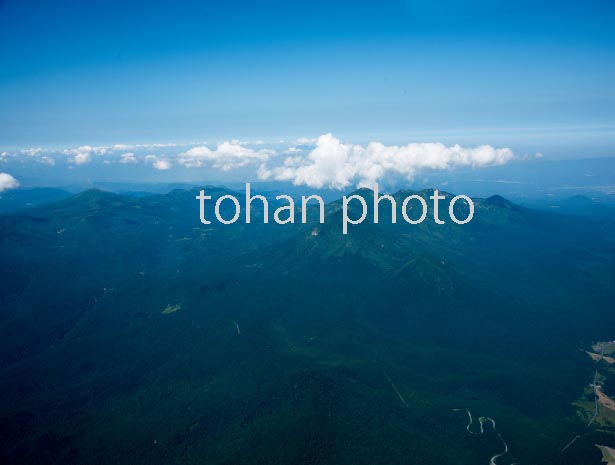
(295, 343)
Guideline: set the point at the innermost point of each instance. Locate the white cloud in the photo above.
(128, 158)
(81, 158)
(80, 155)
(38, 154)
(159, 163)
(337, 165)
(322, 162)
(8, 182)
(227, 156)
(121, 147)
(162, 165)
(47, 160)
(31, 152)
(83, 154)
(156, 146)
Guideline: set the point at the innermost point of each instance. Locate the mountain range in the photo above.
(132, 333)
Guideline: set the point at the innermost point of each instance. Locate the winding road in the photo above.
(481, 422)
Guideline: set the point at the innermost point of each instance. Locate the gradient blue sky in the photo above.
(535, 76)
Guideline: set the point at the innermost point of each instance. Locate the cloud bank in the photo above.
(337, 165)
(8, 182)
(324, 162)
(227, 156)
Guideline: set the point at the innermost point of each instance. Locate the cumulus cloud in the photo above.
(37, 154)
(32, 152)
(81, 157)
(227, 156)
(128, 158)
(338, 165)
(162, 164)
(8, 182)
(159, 163)
(83, 154)
(47, 160)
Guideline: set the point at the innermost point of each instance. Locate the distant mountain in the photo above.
(577, 205)
(534, 180)
(21, 199)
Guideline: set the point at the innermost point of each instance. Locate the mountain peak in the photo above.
(95, 193)
(499, 201)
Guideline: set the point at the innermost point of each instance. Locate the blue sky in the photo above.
(106, 72)
(530, 76)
